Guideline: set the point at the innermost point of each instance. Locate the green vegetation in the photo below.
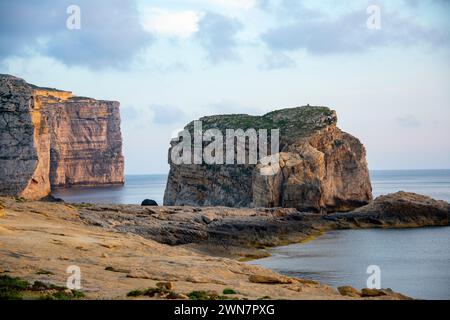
(292, 122)
(155, 292)
(136, 293)
(18, 289)
(205, 295)
(229, 291)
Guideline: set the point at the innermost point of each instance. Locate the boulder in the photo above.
(349, 291)
(149, 203)
(165, 285)
(269, 279)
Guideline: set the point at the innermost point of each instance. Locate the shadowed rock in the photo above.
(149, 203)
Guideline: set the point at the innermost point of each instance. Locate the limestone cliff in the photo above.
(321, 168)
(50, 138)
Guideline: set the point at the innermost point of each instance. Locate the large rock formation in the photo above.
(49, 137)
(321, 168)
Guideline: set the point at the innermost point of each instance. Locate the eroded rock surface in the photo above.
(400, 209)
(259, 227)
(50, 138)
(323, 169)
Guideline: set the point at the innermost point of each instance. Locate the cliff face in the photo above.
(321, 168)
(51, 138)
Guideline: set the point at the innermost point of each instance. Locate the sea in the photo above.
(415, 262)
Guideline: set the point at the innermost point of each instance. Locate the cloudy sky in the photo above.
(170, 61)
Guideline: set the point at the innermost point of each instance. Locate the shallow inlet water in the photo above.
(415, 262)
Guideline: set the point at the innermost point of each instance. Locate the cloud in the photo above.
(230, 107)
(217, 35)
(408, 121)
(277, 60)
(320, 34)
(240, 4)
(128, 114)
(110, 34)
(288, 8)
(167, 115)
(180, 24)
(231, 4)
(416, 3)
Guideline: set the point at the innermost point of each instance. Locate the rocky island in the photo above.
(51, 138)
(322, 169)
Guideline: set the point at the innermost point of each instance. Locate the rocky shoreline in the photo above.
(248, 229)
(124, 248)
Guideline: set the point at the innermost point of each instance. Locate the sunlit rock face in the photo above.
(50, 138)
(320, 168)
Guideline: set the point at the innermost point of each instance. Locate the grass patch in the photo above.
(155, 292)
(229, 291)
(11, 288)
(18, 289)
(135, 293)
(205, 295)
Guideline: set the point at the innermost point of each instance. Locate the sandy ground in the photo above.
(39, 236)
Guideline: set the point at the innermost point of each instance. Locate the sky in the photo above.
(384, 66)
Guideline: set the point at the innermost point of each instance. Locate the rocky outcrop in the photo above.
(262, 227)
(49, 137)
(400, 209)
(371, 293)
(321, 168)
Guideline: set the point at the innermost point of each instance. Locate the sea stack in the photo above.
(51, 138)
(321, 168)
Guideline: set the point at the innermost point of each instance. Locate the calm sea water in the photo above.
(412, 261)
(415, 262)
(435, 183)
(136, 189)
